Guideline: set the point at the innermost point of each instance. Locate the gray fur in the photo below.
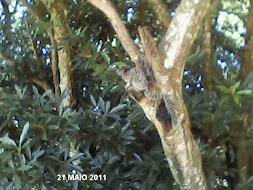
(136, 80)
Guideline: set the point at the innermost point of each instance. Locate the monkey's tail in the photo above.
(170, 108)
(152, 96)
(168, 104)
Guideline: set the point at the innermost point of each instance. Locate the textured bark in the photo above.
(60, 26)
(54, 63)
(160, 9)
(180, 148)
(211, 70)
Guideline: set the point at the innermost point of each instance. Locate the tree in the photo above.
(178, 144)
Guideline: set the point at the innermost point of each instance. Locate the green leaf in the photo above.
(244, 92)
(75, 157)
(137, 156)
(67, 113)
(250, 180)
(117, 108)
(224, 99)
(6, 156)
(93, 101)
(107, 107)
(18, 90)
(23, 93)
(248, 80)
(75, 126)
(27, 143)
(123, 130)
(36, 91)
(37, 154)
(224, 89)
(113, 159)
(8, 141)
(119, 63)
(17, 181)
(234, 87)
(9, 187)
(53, 127)
(47, 93)
(43, 187)
(237, 99)
(101, 104)
(23, 134)
(25, 168)
(106, 57)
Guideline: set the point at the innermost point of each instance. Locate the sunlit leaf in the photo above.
(23, 134)
(244, 92)
(17, 181)
(137, 156)
(237, 99)
(107, 107)
(8, 141)
(27, 143)
(106, 57)
(235, 86)
(224, 89)
(117, 108)
(25, 168)
(93, 101)
(36, 91)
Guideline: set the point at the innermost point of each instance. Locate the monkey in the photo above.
(136, 80)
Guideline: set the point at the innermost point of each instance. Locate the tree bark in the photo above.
(60, 26)
(211, 70)
(54, 63)
(160, 8)
(179, 146)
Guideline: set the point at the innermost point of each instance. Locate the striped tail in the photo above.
(152, 96)
(170, 108)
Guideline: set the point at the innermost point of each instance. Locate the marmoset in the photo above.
(136, 80)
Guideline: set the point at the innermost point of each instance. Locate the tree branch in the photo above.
(176, 43)
(43, 84)
(54, 63)
(127, 42)
(149, 47)
(160, 9)
(32, 44)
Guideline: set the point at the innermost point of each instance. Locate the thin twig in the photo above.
(30, 38)
(80, 54)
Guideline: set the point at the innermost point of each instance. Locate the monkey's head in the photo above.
(122, 69)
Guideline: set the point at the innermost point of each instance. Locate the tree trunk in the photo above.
(168, 63)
